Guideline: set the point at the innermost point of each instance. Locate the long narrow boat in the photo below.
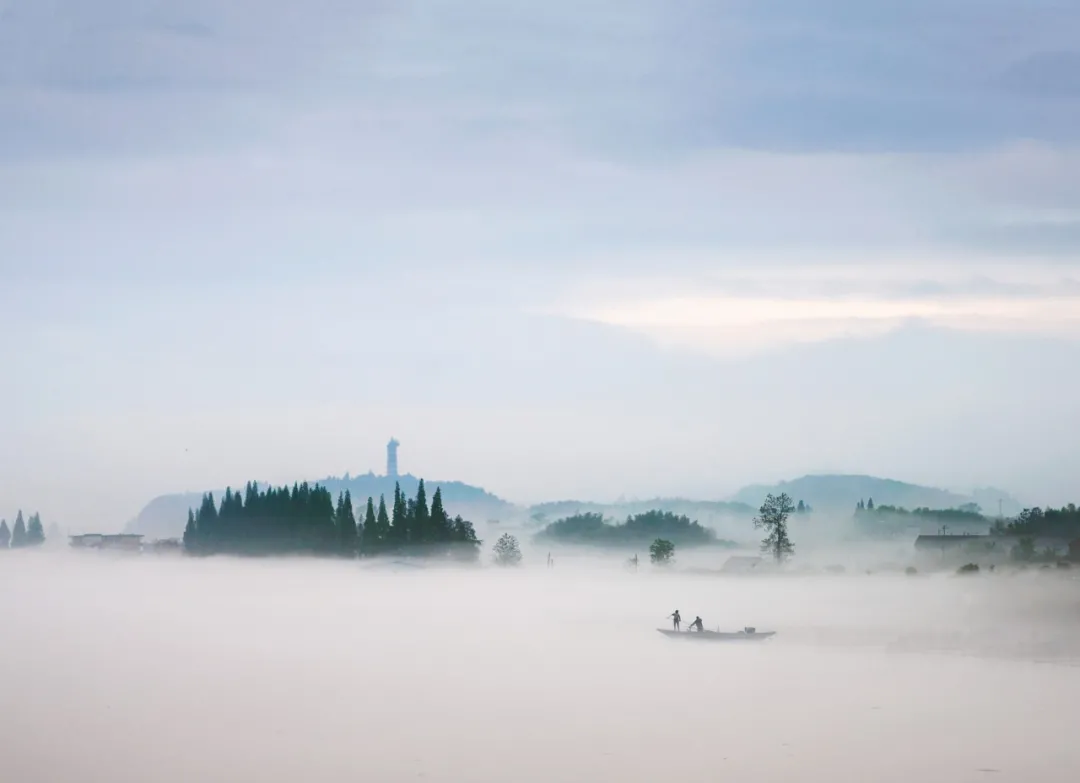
(746, 635)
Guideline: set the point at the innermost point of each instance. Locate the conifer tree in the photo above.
(18, 533)
(191, 533)
(207, 517)
(399, 522)
(369, 535)
(35, 533)
(421, 517)
(5, 534)
(346, 525)
(382, 524)
(440, 522)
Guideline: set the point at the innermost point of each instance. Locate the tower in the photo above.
(391, 458)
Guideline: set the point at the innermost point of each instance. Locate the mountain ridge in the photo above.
(165, 515)
(840, 492)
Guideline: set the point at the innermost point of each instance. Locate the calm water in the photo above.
(173, 670)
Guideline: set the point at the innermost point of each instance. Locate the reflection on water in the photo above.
(177, 670)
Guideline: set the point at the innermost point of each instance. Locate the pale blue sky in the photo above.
(557, 249)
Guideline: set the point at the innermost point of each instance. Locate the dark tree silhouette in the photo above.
(369, 535)
(345, 522)
(661, 552)
(773, 516)
(5, 534)
(18, 533)
(35, 532)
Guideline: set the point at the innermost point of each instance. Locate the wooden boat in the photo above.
(745, 635)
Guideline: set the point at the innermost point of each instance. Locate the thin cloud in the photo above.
(741, 314)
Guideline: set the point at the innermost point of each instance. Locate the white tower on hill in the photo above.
(391, 458)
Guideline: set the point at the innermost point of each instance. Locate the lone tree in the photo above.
(661, 552)
(773, 516)
(507, 552)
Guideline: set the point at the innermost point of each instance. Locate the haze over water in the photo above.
(151, 669)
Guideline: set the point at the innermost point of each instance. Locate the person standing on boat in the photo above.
(697, 624)
(676, 618)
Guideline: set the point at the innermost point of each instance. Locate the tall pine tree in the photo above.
(5, 534)
(399, 522)
(35, 533)
(208, 517)
(421, 517)
(440, 522)
(191, 533)
(369, 537)
(18, 533)
(382, 524)
(345, 519)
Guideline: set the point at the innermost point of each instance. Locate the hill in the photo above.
(841, 493)
(165, 516)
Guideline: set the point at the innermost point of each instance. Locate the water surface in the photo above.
(139, 669)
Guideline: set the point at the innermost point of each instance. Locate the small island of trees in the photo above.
(25, 533)
(640, 529)
(306, 520)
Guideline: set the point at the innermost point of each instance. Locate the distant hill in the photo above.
(841, 493)
(165, 516)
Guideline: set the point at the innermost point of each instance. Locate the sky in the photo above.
(559, 250)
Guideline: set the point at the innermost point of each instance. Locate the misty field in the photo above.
(173, 670)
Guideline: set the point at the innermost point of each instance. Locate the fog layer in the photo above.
(181, 670)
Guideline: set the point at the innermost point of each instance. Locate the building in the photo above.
(391, 459)
(742, 564)
(165, 546)
(123, 542)
(951, 543)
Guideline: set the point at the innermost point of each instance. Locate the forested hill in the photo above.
(707, 511)
(165, 516)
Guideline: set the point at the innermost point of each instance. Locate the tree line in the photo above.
(305, 519)
(25, 533)
(1061, 522)
(968, 513)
